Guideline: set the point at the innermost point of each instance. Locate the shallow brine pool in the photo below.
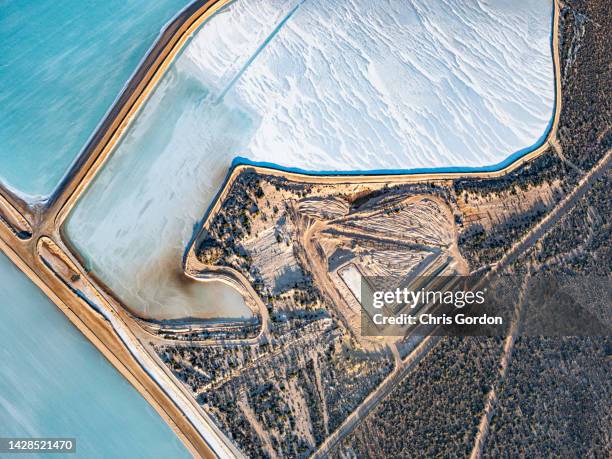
(321, 85)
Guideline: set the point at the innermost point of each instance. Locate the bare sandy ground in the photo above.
(22, 226)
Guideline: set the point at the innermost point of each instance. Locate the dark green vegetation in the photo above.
(586, 78)
(286, 395)
(555, 398)
(284, 398)
(436, 410)
(580, 243)
(555, 401)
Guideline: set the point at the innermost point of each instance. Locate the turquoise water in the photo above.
(62, 64)
(53, 382)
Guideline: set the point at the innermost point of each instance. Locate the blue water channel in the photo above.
(62, 65)
(53, 382)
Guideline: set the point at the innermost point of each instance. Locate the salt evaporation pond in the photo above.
(54, 383)
(62, 64)
(355, 86)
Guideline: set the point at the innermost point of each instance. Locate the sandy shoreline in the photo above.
(192, 425)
